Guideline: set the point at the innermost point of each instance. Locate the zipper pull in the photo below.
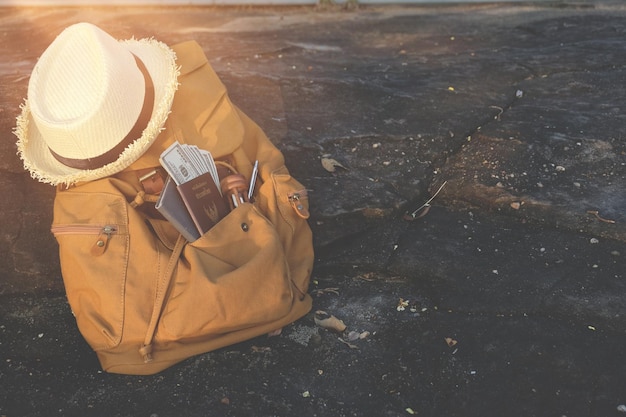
(103, 240)
(300, 209)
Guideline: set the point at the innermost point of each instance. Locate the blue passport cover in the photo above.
(172, 207)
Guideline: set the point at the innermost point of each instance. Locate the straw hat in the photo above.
(94, 105)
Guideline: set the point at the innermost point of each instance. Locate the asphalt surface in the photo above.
(503, 296)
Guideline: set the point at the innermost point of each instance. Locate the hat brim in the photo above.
(160, 62)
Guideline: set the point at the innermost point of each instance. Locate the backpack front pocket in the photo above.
(233, 277)
(93, 248)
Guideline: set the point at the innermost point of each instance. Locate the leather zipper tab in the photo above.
(296, 203)
(100, 246)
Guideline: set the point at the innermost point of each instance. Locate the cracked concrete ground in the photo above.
(506, 298)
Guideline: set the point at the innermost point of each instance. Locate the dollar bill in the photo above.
(193, 152)
(211, 167)
(178, 164)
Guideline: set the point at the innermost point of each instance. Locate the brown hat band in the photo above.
(140, 125)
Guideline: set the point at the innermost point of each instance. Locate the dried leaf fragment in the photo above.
(417, 214)
(451, 342)
(261, 349)
(350, 345)
(321, 291)
(368, 276)
(331, 164)
(422, 210)
(328, 321)
(597, 214)
(352, 336)
(402, 304)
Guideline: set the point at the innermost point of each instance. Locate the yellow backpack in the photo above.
(144, 298)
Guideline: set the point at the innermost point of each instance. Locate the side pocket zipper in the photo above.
(104, 234)
(294, 200)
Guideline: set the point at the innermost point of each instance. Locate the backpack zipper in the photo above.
(104, 234)
(294, 200)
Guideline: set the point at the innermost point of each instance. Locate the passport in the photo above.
(203, 201)
(192, 207)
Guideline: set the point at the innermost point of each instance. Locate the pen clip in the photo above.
(255, 173)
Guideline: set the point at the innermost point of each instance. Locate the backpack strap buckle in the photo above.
(152, 180)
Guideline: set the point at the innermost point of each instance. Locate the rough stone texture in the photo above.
(517, 109)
